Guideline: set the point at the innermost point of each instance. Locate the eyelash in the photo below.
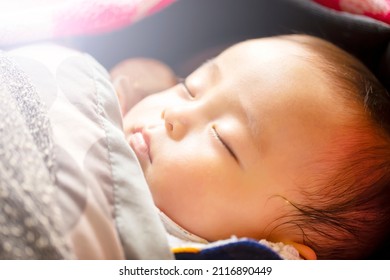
(216, 135)
(183, 83)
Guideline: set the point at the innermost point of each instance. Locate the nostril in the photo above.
(169, 126)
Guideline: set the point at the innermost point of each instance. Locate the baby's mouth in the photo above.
(139, 141)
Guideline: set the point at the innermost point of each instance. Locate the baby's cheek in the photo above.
(172, 180)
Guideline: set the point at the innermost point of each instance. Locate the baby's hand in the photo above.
(136, 78)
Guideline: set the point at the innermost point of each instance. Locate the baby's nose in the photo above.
(176, 123)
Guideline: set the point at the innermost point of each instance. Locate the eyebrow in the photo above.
(213, 67)
(251, 123)
(252, 127)
(207, 62)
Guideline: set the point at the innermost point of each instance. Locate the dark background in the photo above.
(190, 30)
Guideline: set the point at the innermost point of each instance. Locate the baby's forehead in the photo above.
(270, 46)
(279, 56)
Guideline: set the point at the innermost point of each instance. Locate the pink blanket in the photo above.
(377, 9)
(28, 20)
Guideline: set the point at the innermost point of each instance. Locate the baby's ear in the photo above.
(305, 251)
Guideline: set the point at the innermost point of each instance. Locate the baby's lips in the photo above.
(139, 141)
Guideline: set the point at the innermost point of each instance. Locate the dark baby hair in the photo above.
(350, 215)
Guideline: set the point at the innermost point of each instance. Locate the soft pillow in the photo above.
(106, 206)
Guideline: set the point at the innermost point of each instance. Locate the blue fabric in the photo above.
(238, 250)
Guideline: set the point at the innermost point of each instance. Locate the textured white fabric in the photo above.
(107, 209)
(176, 233)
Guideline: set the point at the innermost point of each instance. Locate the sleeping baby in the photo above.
(284, 139)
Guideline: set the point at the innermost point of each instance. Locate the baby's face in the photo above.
(220, 151)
